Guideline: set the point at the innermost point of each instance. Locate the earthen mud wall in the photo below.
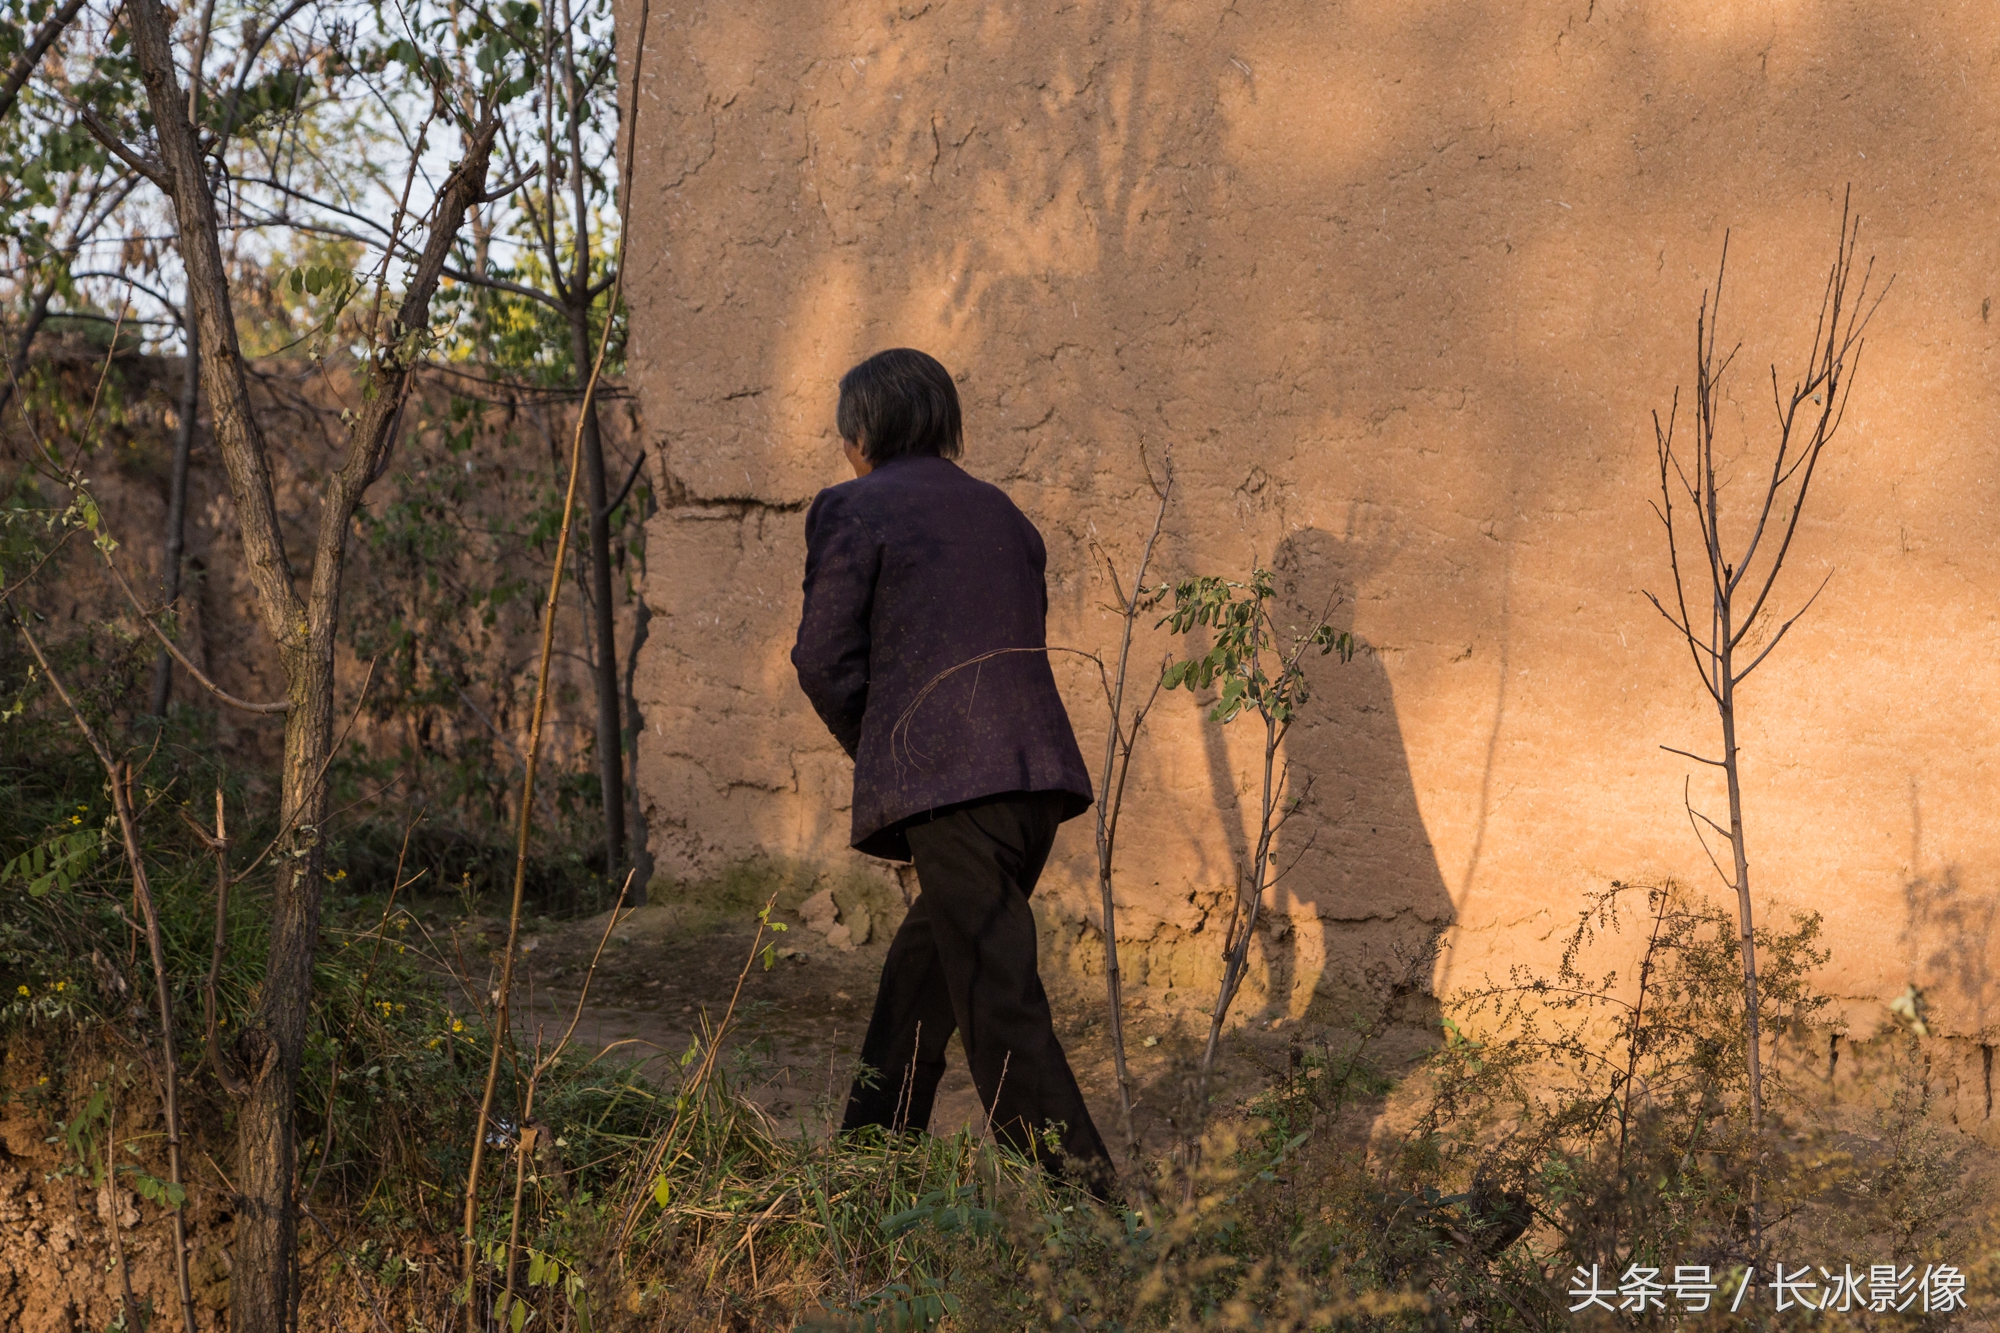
(1399, 285)
(471, 462)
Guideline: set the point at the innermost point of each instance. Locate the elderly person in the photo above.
(923, 647)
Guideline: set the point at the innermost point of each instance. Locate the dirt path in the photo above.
(668, 968)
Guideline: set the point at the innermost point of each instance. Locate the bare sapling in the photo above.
(1120, 738)
(1261, 668)
(176, 537)
(1733, 581)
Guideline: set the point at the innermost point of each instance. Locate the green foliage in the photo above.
(527, 339)
(1257, 664)
(304, 294)
(153, 1189)
(55, 178)
(332, 287)
(394, 1060)
(58, 862)
(770, 954)
(502, 41)
(549, 262)
(279, 94)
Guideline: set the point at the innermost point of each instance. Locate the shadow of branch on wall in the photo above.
(1948, 935)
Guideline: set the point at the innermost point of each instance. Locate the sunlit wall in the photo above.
(1399, 286)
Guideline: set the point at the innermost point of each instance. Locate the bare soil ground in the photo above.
(668, 970)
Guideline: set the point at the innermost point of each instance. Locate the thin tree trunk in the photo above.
(635, 815)
(1110, 803)
(128, 823)
(261, 1268)
(610, 734)
(1745, 920)
(1238, 957)
(603, 615)
(262, 1289)
(1723, 612)
(163, 665)
(17, 365)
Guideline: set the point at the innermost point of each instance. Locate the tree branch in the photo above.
(200, 678)
(24, 63)
(506, 188)
(1783, 629)
(1715, 763)
(503, 285)
(630, 478)
(1701, 837)
(117, 147)
(239, 435)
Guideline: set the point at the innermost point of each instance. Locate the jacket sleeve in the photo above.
(843, 559)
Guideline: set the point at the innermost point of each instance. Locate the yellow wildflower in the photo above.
(23, 989)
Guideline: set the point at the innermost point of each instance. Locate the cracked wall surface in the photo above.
(1399, 285)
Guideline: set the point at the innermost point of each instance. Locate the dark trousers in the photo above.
(964, 960)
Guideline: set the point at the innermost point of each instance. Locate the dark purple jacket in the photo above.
(923, 586)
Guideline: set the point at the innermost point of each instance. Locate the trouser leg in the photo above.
(977, 865)
(902, 1055)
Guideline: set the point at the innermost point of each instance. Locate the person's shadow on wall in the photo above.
(1348, 938)
(1365, 879)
